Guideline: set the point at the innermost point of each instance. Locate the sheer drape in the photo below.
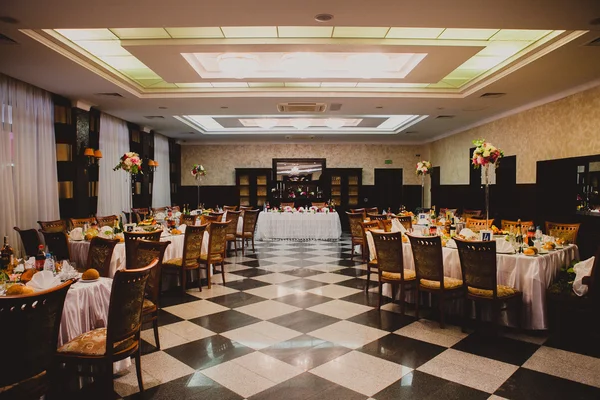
(114, 187)
(161, 188)
(7, 200)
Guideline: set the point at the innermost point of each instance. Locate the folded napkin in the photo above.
(467, 233)
(502, 246)
(43, 280)
(182, 228)
(67, 271)
(160, 215)
(76, 234)
(582, 268)
(19, 268)
(177, 214)
(30, 263)
(397, 226)
(451, 244)
(106, 232)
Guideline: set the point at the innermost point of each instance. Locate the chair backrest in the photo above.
(385, 224)
(377, 217)
(355, 220)
(129, 218)
(361, 211)
(53, 226)
(287, 204)
(140, 213)
(471, 213)
(34, 321)
(478, 264)
(125, 309)
(217, 232)
(444, 210)
(192, 244)
(131, 237)
(388, 247)
(372, 210)
(219, 215)
(100, 254)
(250, 218)
(207, 219)
(428, 257)
(566, 232)
(320, 205)
(507, 224)
(232, 217)
(229, 208)
(58, 244)
(478, 224)
(364, 227)
(244, 208)
(30, 239)
(145, 252)
(80, 222)
(188, 219)
(406, 222)
(159, 209)
(108, 220)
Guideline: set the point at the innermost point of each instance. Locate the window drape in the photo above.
(114, 187)
(161, 187)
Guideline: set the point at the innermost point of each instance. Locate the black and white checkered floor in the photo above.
(293, 322)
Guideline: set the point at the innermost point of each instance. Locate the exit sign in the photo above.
(388, 162)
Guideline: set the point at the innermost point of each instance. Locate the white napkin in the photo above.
(19, 268)
(182, 228)
(160, 215)
(106, 232)
(467, 233)
(397, 226)
(451, 244)
(547, 238)
(76, 234)
(504, 247)
(178, 214)
(582, 268)
(30, 263)
(43, 280)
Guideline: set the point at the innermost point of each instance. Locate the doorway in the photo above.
(388, 188)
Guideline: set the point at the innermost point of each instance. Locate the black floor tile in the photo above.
(147, 348)
(256, 263)
(304, 321)
(195, 386)
(503, 349)
(302, 272)
(418, 385)
(303, 263)
(302, 284)
(347, 263)
(355, 272)
(357, 283)
(307, 386)
(224, 321)
(585, 344)
(250, 272)
(245, 284)
(526, 384)
(402, 350)
(166, 318)
(381, 319)
(174, 297)
(303, 299)
(234, 300)
(305, 351)
(208, 352)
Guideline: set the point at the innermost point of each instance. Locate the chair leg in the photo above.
(183, 279)
(368, 278)
(208, 274)
(243, 248)
(402, 305)
(353, 251)
(380, 295)
(418, 300)
(155, 327)
(199, 280)
(519, 313)
(235, 245)
(441, 306)
(223, 270)
(465, 310)
(254, 251)
(138, 369)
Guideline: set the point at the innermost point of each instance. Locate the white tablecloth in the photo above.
(86, 308)
(531, 275)
(305, 226)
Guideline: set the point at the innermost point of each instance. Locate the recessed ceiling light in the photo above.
(379, 107)
(162, 108)
(323, 17)
(8, 20)
(224, 107)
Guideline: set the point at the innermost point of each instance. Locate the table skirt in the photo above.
(298, 226)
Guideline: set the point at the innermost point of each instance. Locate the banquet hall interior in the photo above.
(335, 199)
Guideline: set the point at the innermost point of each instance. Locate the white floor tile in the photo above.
(214, 291)
(238, 379)
(268, 309)
(567, 365)
(329, 277)
(275, 278)
(327, 268)
(334, 291)
(268, 367)
(340, 309)
(195, 309)
(188, 330)
(272, 291)
(348, 334)
(430, 331)
(260, 335)
(167, 338)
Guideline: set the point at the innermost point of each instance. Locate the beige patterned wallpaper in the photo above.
(221, 161)
(569, 127)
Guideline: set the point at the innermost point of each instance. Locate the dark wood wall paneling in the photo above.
(174, 172)
(142, 143)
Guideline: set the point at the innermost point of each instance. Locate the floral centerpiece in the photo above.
(288, 209)
(130, 162)
(423, 168)
(198, 171)
(314, 209)
(485, 153)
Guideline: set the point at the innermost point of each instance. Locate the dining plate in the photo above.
(76, 240)
(89, 280)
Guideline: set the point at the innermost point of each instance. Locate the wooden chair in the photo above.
(390, 264)
(188, 219)
(131, 238)
(217, 243)
(31, 240)
(232, 217)
(140, 213)
(175, 208)
(377, 217)
(244, 208)
(219, 215)
(129, 217)
(566, 232)
(359, 211)
(356, 232)
(121, 338)
(192, 246)
(506, 224)
(34, 321)
(320, 205)
(229, 208)
(53, 226)
(290, 204)
(478, 224)
(145, 252)
(80, 222)
(452, 210)
(429, 267)
(366, 254)
(471, 214)
(249, 226)
(207, 219)
(480, 279)
(58, 244)
(385, 224)
(406, 222)
(100, 254)
(109, 220)
(372, 210)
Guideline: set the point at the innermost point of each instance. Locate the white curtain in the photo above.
(161, 187)
(114, 190)
(7, 200)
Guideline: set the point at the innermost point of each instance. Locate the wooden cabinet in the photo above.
(254, 186)
(345, 184)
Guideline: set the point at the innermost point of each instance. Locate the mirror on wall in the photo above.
(298, 169)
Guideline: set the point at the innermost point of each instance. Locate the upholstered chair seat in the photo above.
(148, 306)
(409, 274)
(449, 283)
(93, 343)
(177, 262)
(503, 291)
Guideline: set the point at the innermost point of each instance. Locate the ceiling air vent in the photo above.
(410, 132)
(154, 117)
(492, 95)
(301, 107)
(6, 40)
(335, 107)
(445, 116)
(594, 43)
(108, 94)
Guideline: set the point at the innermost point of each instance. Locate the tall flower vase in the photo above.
(198, 180)
(487, 195)
(422, 191)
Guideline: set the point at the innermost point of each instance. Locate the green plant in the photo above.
(564, 280)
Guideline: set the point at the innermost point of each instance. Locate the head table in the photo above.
(530, 275)
(298, 226)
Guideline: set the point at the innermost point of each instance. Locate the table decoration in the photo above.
(198, 172)
(484, 155)
(423, 169)
(132, 164)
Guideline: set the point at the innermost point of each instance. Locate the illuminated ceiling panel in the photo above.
(289, 122)
(195, 33)
(140, 33)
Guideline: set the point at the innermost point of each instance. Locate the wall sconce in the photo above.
(93, 156)
(153, 165)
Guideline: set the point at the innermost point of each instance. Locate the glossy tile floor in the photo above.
(294, 322)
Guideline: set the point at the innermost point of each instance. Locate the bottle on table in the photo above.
(519, 236)
(40, 258)
(6, 254)
(538, 234)
(530, 235)
(49, 263)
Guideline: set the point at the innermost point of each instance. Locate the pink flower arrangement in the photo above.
(485, 153)
(130, 162)
(198, 171)
(423, 168)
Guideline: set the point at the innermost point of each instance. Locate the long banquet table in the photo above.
(299, 226)
(531, 275)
